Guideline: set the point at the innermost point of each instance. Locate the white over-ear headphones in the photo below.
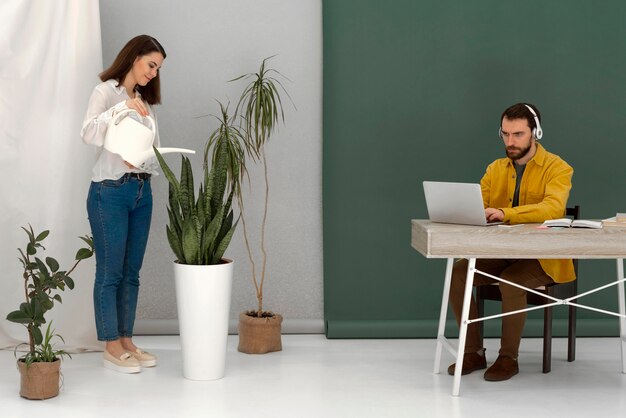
(537, 132)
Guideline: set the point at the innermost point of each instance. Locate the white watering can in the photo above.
(132, 140)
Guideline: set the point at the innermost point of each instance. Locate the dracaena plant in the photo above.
(43, 282)
(260, 108)
(200, 228)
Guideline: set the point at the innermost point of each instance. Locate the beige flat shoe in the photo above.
(126, 363)
(145, 359)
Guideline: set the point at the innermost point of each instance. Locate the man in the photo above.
(529, 185)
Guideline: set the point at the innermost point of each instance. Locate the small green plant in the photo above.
(43, 282)
(200, 229)
(45, 352)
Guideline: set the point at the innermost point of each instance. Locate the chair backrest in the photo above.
(573, 212)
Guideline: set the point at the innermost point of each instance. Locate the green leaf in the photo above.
(169, 175)
(42, 236)
(214, 226)
(30, 249)
(88, 240)
(18, 317)
(219, 173)
(52, 263)
(227, 211)
(26, 310)
(36, 335)
(44, 305)
(83, 254)
(190, 242)
(201, 213)
(223, 245)
(38, 304)
(42, 268)
(226, 226)
(191, 199)
(186, 189)
(69, 282)
(175, 244)
(58, 298)
(29, 232)
(176, 220)
(206, 249)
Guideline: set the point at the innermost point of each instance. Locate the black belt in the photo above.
(140, 176)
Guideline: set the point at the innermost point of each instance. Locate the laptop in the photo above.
(455, 203)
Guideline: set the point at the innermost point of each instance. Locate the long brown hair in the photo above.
(137, 47)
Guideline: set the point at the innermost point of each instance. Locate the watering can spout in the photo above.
(142, 157)
(170, 150)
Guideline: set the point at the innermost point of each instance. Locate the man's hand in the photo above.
(494, 215)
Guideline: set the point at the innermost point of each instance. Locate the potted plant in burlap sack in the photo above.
(43, 280)
(260, 108)
(199, 231)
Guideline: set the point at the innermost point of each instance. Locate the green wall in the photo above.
(413, 91)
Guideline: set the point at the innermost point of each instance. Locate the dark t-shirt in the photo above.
(519, 170)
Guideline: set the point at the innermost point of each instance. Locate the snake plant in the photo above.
(200, 228)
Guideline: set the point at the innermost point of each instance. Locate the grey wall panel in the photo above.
(209, 43)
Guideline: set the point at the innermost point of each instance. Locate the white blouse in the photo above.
(106, 100)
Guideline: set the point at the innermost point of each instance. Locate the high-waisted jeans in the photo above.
(119, 214)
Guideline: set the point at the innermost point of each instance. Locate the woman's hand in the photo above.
(138, 105)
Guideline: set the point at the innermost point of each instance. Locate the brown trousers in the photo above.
(527, 273)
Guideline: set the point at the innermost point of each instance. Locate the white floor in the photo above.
(316, 377)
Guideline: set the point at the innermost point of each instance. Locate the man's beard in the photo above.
(515, 153)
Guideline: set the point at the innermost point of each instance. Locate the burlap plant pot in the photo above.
(39, 380)
(259, 335)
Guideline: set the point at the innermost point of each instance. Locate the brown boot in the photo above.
(471, 362)
(503, 369)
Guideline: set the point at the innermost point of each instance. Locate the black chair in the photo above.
(557, 290)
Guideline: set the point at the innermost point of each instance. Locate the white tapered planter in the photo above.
(203, 300)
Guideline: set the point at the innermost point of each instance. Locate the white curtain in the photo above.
(50, 56)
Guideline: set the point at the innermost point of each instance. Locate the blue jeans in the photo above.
(119, 214)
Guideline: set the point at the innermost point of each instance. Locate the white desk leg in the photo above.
(463, 329)
(622, 311)
(443, 315)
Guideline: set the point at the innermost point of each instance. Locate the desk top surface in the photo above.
(437, 240)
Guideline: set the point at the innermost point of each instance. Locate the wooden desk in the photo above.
(436, 240)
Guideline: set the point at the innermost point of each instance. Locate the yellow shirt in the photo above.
(545, 187)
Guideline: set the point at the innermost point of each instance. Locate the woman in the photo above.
(119, 203)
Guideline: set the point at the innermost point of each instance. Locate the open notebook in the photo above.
(455, 203)
(570, 223)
